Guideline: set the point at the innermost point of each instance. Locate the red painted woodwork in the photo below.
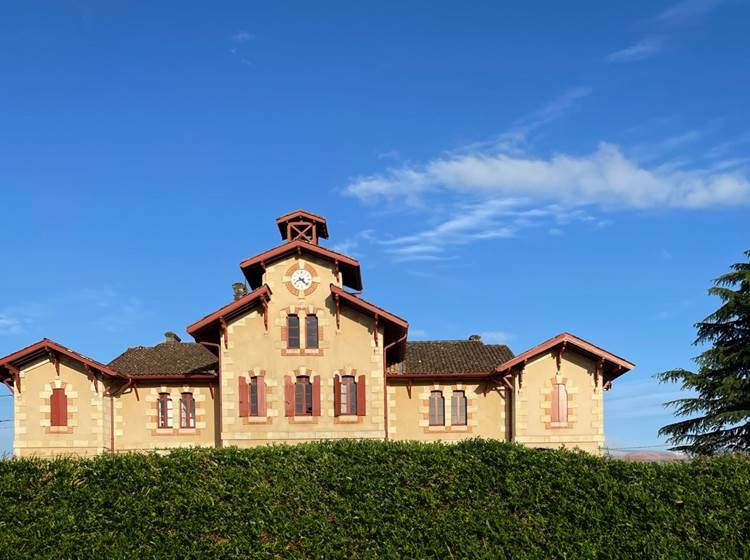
(559, 412)
(244, 397)
(361, 396)
(336, 395)
(58, 407)
(262, 406)
(288, 396)
(316, 396)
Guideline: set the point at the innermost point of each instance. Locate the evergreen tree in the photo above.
(719, 414)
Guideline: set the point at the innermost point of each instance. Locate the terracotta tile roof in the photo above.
(454, 356)
(166, 358)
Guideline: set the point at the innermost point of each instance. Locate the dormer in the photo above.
(301, 225)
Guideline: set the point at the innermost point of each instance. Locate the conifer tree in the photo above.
(718, 417)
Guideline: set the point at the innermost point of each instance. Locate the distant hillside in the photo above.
(477, 499)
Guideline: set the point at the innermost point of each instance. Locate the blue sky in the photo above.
(513, 170)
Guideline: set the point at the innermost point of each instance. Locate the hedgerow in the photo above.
(477, 499)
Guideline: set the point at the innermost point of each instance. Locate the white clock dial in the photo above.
(301, 279)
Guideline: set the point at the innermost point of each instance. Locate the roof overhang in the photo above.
(254, 267)
(12, 364)
(395, 328)
(208, 328)
(610, 366)
(429, 376)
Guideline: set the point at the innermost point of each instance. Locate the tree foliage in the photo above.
(717, 418)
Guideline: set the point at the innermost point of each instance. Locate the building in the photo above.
(300, 356)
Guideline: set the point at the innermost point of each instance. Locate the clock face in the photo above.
(302, 279)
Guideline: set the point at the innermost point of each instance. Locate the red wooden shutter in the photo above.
(58, 407)
(262, 409)
(336, 395)
(288, 396)
(316, 396)
(244, 398)
(361, 396)
(555, 413)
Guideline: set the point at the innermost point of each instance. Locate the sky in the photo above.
(513, 170)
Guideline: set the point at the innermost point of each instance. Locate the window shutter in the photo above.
(454, 409)
(562, 403)
(262, 408)
(58, 407)
(244, 397)
(316, 396)
(288, 396)
(361, 396)
(336, 395)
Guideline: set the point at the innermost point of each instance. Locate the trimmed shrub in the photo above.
(476, 499)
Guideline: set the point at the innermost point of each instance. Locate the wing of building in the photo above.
(301, 356)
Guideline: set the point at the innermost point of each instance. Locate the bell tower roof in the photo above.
(302, 225)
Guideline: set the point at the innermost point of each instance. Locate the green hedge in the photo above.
(478, 499)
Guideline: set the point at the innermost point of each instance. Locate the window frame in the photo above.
(436, 415)
(187, 410)
(348, 396)
(253, 397)
(459, 397)
(293, 326)
(164, 411)
(306, 404)
(312, 330)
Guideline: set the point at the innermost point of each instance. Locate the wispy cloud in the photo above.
(242, 37)
(664, 26)
(605, 178)
(639, 51)
(496, 337)
(686, 12)
(9, 324)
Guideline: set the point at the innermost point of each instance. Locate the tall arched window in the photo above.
(311, 331)
(559, 403)
(187, 411)
(164, 410)
(458, 408)
(292, 331)
(303, 396)
(437, 408)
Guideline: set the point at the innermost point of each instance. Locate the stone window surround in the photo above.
(175, 430)
(302, 310)
(447, 389)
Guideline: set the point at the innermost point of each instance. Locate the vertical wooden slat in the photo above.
(244, 397)
(555, 411)
(361, 396)
(336, 395)
(288, 396)
(53, 409)
(316, 396)
(262, 407)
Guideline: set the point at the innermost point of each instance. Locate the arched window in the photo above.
(164, 410)
(187, 411)
(559, 403)
(458, 408)
(348, 395)
(437, 408)
(58, 403)
(254, 397)
(303, 396)
(292, 331)
(311, 331)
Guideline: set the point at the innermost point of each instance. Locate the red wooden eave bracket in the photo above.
(338, 311)
(265, 314)
(408, 387)
(560, 353)
(8, 385)
(92, 373)
(225, 332)
(211, 390)
(16, 376)
(55, 359)
(598, 371)
(375, 330)
(135, 390)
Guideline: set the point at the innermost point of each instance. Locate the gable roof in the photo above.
(454, 356)
(47, 348)
(302, 215)
(211, 322)
(395, 328)
(617, 365)
(253, 267)
(167, 358)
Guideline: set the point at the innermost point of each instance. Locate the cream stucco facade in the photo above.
(116, 408)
